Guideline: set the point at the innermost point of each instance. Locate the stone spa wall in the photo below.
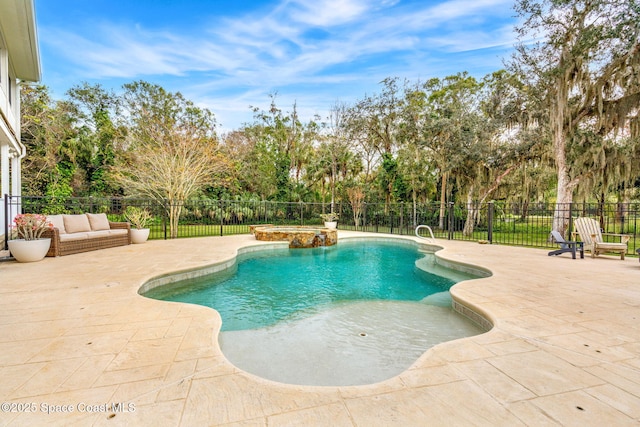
(297, 236)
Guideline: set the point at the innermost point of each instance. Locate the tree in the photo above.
(286, 144)
(442, 117)
(55, 152)
(356, 199)
(499, 147)
(251, 162)
(375, 122)
(95, 110)
(584, 64)
(171, 151)
(334, 158)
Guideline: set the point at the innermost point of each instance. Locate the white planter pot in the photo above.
(29, 250)
(331, 224)
(139, 235)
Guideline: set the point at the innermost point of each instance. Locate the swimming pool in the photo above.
(357, 313)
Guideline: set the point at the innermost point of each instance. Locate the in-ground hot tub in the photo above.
(297, 236)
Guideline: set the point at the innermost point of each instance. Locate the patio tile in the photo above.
(74, 329)
(510, 346)
(14, 376)
(145, 353)
(83, 345)
(334, 414)
(232, 398)
(592, 344)
(49, 378)
(621, 376)
(531, 415)
(22, 351)
(147, 372)
(621, 400)
(543, 373)
(432, 375)
(578, 408)
(494, 381)
(86, 375)
(143, 392)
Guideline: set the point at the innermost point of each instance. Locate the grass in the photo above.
(533, 232)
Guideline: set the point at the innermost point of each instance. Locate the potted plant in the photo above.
(330, 219)
(29, 246)
(139, 219)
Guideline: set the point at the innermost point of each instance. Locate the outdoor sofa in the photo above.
(72, 234)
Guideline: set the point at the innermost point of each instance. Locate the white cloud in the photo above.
(300, 43)
(464, 41)
(326, 13)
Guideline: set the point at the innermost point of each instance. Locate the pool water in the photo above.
(269, 287)
(356, 313)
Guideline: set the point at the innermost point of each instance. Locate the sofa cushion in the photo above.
(101, 233)
(98, 222)
(71, 237)
(57, 222)
(76, 223)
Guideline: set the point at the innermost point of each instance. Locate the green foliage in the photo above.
(391, 179)
(450, 139)
(138, 217)
(582, 79)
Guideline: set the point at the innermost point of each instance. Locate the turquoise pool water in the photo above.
(355, 313)
(268, 287)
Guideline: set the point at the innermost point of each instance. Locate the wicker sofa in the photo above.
(72, 234)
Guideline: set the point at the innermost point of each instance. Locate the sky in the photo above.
(232, 55)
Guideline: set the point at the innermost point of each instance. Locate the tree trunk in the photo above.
(334, 174)
(443, 201)
(175, 209)
(564, 193)
(472, 214)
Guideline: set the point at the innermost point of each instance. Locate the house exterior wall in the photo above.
(19, 62)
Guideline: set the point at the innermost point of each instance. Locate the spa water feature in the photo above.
(297, 236)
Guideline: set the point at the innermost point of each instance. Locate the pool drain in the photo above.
(363, 334)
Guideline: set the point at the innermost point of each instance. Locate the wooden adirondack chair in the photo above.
(591, 235)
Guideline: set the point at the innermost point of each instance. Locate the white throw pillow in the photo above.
(76, 223)
(57, 222)
(98, 222)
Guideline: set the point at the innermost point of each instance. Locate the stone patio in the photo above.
(75, 336)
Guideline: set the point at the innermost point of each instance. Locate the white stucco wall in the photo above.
(19, 61)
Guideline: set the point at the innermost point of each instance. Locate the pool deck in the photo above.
(565, 349)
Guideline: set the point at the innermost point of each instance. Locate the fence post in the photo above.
(490, 221)
(221, 217)
(570, 222)
(450, 225)
(301, 213)
(390, 219)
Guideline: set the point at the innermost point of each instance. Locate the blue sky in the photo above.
(230, 55)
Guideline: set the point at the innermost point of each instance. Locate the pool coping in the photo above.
(464, 308)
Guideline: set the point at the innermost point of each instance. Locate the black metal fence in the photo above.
(494, 222)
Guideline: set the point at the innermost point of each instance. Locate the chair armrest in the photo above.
(624, 238)
(119, 225)
(52, 233)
